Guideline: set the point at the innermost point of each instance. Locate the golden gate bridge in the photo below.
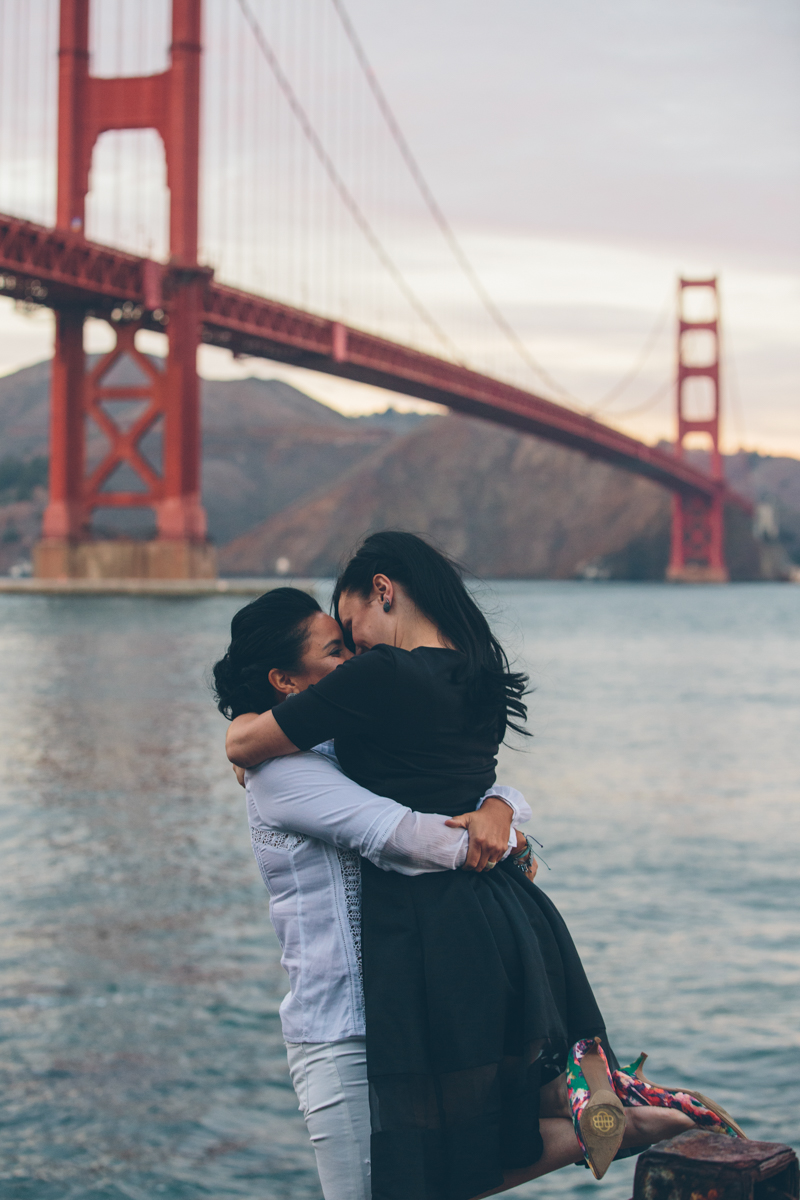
(78, 277)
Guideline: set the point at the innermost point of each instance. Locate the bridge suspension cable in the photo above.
(346, 196)
(436, 212)
(318, 229)
(637, 368)
(655, 398)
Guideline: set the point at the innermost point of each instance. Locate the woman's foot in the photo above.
(635, 1091)
(644, 1126)
(597, 1112)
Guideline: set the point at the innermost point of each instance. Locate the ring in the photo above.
(489, 866)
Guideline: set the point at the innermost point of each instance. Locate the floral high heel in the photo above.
(597, 1111)
(634, 1090)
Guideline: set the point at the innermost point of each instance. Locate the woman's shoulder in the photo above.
(379, 660)
(375, 668)
(385, 666)
(421, 661)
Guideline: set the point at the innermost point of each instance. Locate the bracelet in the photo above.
(523, 859)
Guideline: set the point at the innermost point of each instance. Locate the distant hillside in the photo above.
(24, 412)
(285, 477)
(774, 481)
(505, 505)
(265, 445)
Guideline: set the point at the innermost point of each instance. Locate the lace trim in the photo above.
(277, 838)
(350, 864)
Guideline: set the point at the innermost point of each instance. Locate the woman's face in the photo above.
(325, 650)
(364, 621)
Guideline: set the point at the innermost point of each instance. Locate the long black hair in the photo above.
(433, 582)
(269, 632)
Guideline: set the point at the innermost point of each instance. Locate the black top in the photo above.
(401, 728)
(473, 988)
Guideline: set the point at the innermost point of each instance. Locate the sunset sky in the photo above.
(586, 155)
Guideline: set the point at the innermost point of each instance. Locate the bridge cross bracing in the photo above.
(63, 269)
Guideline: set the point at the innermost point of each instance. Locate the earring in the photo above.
(387, 604)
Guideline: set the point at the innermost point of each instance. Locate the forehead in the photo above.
(348, 602)
(324, 629)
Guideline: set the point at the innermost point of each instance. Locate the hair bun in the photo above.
(268, 633)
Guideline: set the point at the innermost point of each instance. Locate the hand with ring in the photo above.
(489, 828)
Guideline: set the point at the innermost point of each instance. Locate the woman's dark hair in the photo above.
(434, 583)
(269, 632)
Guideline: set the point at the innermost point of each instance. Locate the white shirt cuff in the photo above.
(519, 807)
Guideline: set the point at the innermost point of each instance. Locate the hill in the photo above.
(285, 477)
(265, 445)
(505, 505)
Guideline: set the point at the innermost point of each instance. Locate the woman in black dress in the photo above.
(474, 990)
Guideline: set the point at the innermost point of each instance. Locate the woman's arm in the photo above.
(310, 794)
(353, 697)
(254, 737)
(425, 841)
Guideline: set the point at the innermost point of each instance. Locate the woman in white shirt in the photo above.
(309, 826)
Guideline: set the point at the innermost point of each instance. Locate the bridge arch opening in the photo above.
(698, 348)
(699, 399)
(129, 39)
(127, 204)
(153, 344)
(698, 303)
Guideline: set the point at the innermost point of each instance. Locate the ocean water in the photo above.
(140, 1047)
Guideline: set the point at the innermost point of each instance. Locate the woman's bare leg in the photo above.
(560, 1150)
(554, 1098)
(643, 1126)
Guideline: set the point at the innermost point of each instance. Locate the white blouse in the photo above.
(309, 824)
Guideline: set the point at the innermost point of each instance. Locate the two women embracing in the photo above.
(443, 1039)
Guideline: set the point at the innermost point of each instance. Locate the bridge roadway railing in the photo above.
(59, 270)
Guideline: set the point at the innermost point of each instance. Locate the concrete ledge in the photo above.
(124, 558)
(150, 587)
(695, 573)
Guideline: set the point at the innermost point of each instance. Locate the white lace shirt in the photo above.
(309, 824)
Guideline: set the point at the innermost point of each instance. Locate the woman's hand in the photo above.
(532, 868)
(488, 830)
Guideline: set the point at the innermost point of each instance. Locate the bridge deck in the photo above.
(59, 269)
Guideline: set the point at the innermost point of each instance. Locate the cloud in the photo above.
(587, 155)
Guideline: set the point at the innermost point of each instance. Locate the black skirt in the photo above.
(474, 993)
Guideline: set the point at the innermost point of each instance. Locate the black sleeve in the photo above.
(353, 698)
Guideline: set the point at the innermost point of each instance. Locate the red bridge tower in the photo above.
(697, 554)
(88, 106)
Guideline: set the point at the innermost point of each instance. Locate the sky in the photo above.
(585, 154)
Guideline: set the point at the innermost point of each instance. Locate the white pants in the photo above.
(330, 1079)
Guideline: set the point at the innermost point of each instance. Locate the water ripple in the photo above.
(140, 1047)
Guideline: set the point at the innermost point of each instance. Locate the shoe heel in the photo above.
(602, 1121)
(602, 1129)
(598, 1115)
